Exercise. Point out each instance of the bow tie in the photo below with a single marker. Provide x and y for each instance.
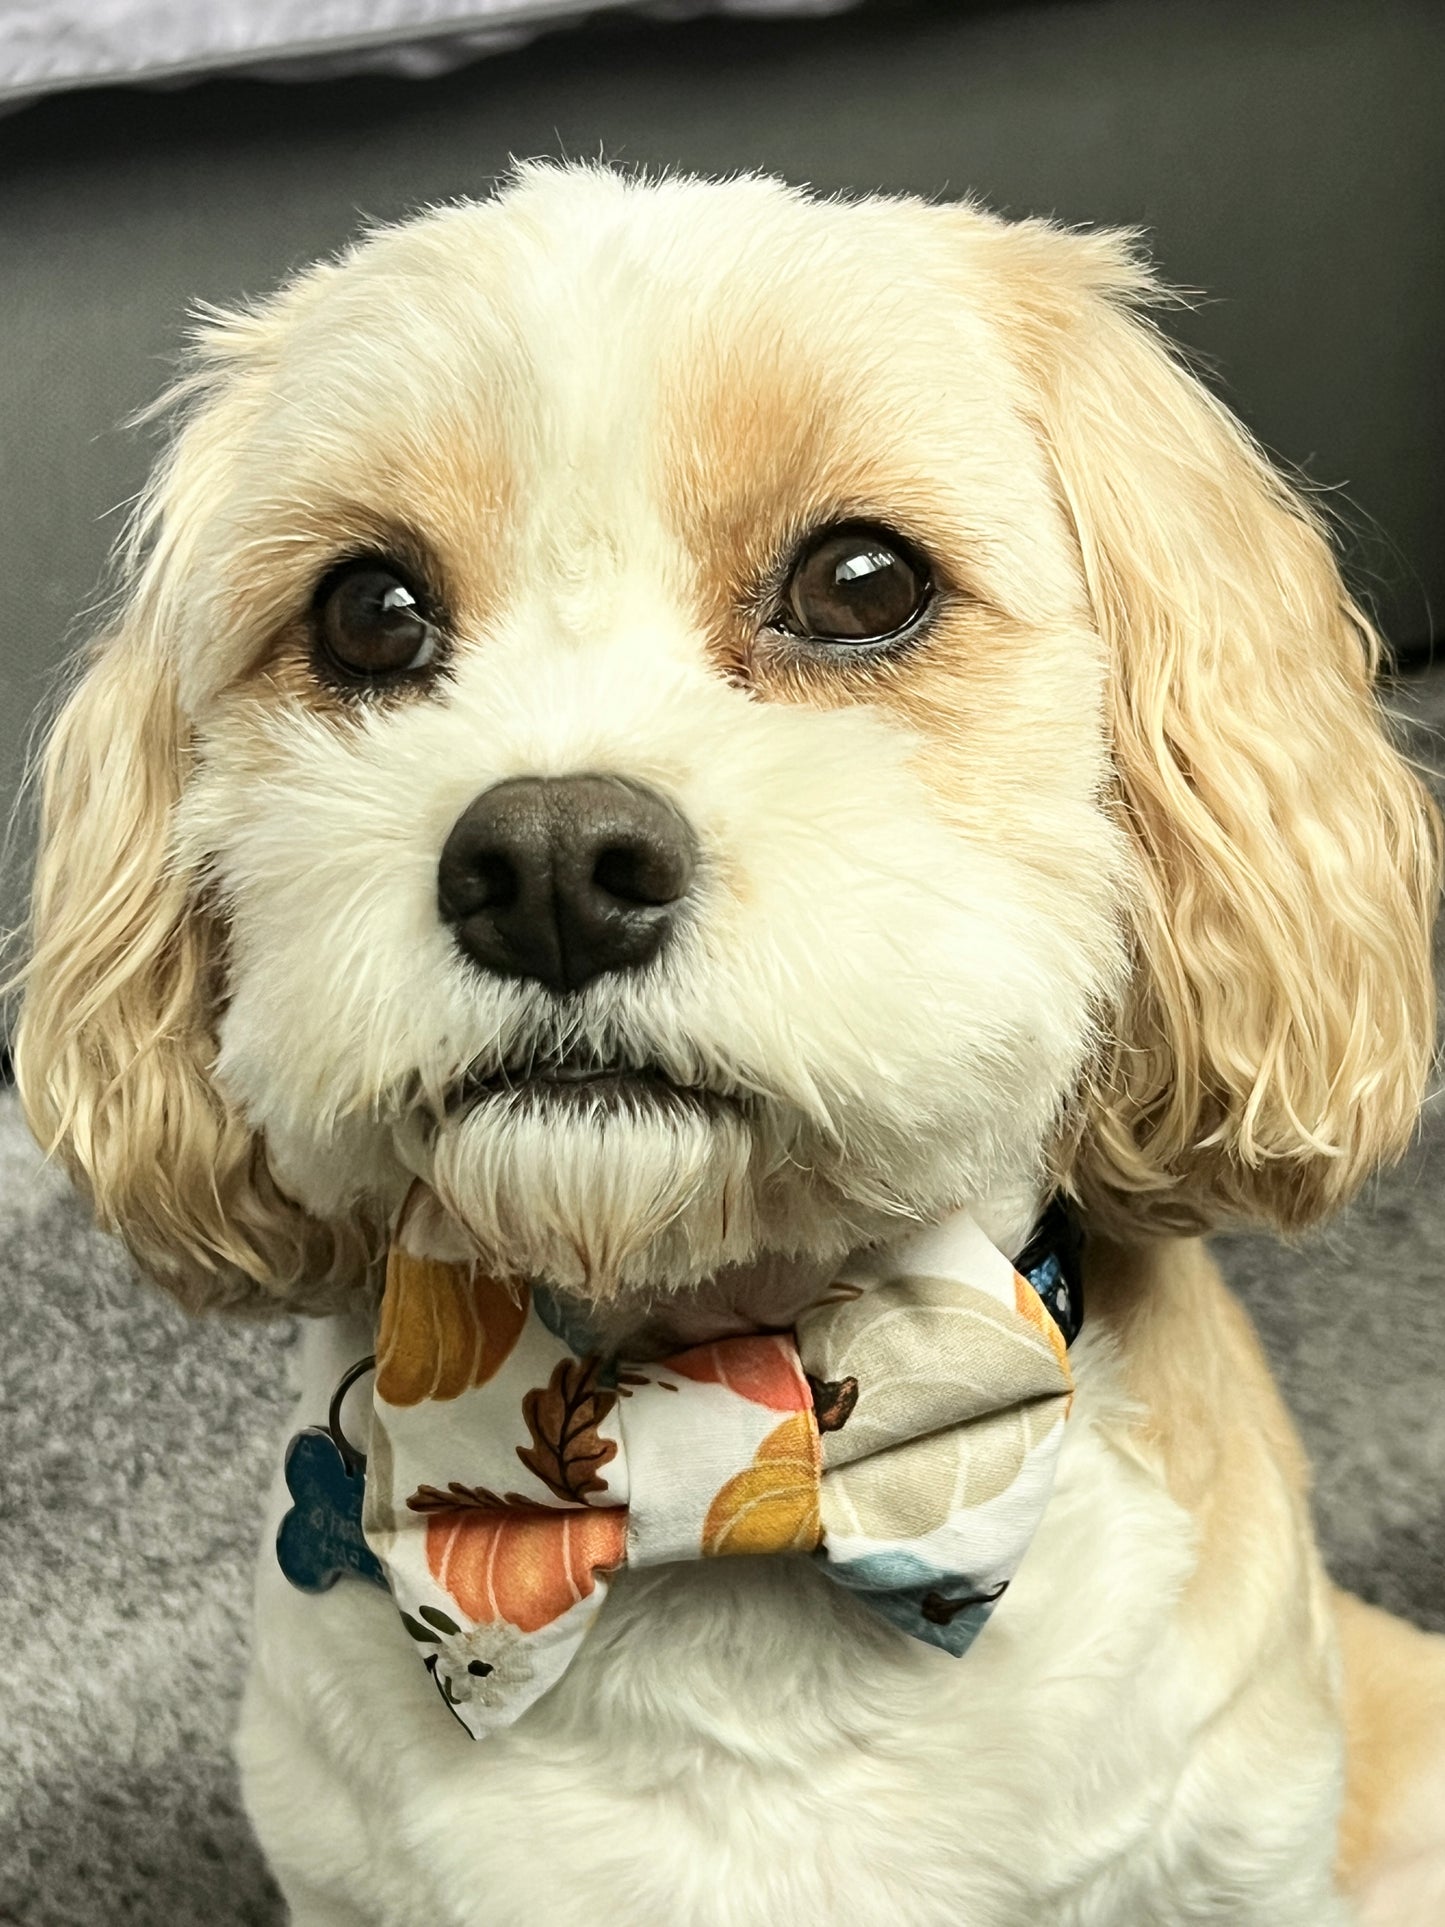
(904, 1434)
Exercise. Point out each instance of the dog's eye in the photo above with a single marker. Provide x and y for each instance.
(854, 584)
(371, 623)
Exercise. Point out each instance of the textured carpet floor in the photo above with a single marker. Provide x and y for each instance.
(134, 1446)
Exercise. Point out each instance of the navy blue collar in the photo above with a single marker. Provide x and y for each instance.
(1052, 1263)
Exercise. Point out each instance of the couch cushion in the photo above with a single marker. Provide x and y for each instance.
(48, 46)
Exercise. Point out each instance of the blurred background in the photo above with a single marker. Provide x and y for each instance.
(1286, 159)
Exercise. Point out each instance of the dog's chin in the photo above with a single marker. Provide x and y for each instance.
(619, 1184)
(623, 1187)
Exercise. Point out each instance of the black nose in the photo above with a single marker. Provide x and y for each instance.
(564, 878)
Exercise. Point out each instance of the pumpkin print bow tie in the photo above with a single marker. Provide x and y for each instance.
(905, 1434)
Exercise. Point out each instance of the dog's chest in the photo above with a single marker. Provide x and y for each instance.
(740, 1742)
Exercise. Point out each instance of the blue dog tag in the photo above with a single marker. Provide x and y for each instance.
(320, 1538)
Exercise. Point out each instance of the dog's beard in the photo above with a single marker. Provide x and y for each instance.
(635, 1198)
(599, 1199)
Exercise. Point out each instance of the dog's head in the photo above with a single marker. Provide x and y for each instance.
(709, 723)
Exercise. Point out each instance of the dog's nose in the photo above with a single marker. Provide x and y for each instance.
(564, 878)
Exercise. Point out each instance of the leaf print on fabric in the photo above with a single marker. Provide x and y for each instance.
(763, 1369)
(772, 1504)
(459, 1498)
(526, 1567)
(444, 1328)
(568, 1452)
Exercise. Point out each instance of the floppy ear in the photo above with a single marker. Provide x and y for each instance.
(115, 1042)
(114, 1045)
(1280, 1023)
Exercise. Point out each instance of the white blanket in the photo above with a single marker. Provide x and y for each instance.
(47, 46)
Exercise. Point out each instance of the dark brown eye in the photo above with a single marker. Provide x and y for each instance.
(371, 623)
(854, 584)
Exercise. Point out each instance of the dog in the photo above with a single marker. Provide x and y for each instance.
(993, 806)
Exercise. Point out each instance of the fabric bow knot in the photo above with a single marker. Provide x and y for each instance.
(905, 1434)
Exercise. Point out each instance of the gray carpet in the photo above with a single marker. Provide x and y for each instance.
(134, 1447)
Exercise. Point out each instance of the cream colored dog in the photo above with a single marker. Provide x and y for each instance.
(1037, 829)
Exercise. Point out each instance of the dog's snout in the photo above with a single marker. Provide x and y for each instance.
(563, 879)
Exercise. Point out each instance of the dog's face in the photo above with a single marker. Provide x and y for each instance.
(697, 493)
(710, 724)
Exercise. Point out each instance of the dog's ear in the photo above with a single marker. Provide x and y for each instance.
(115, 1041)
(1280, 1022)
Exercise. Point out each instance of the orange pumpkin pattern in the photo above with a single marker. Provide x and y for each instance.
(771, 1506)
(763, 1370)
(444, 1328)
(526, 1565)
